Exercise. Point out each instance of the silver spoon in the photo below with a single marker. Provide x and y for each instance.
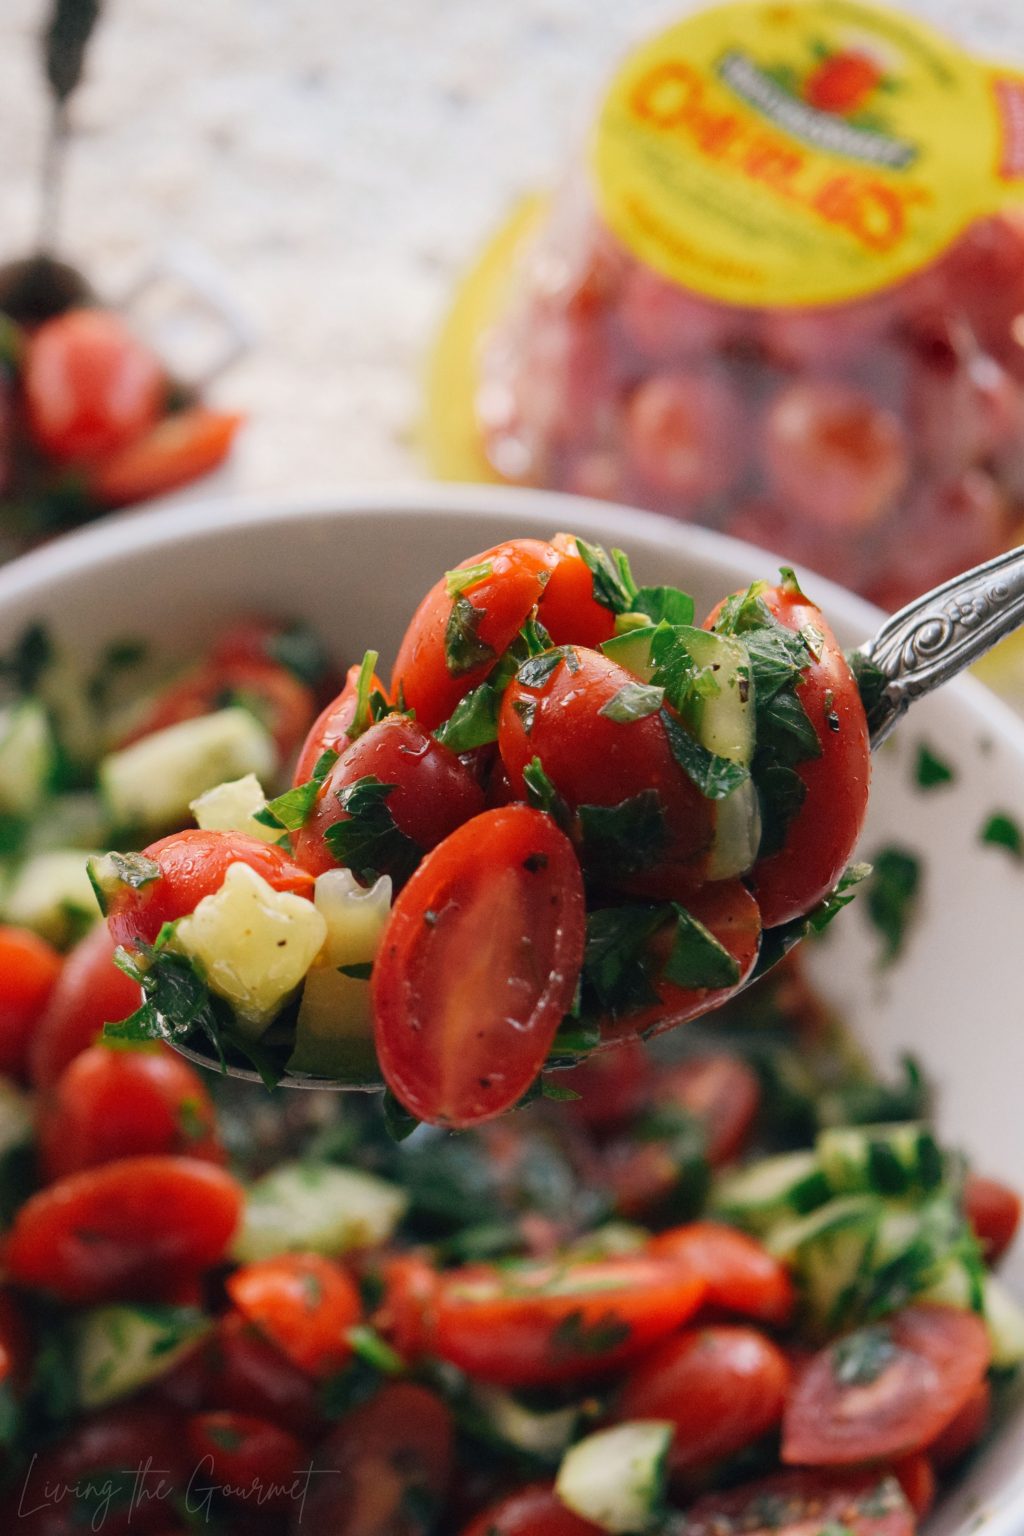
(924, 645)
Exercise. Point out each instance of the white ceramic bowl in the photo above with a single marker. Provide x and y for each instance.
(355, 564)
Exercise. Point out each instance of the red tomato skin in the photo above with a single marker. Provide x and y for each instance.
(282, 702)
(91, 991)
(110, 1104)
(805, 1504)
(730, 912)
(386, 1458)
(509, 872)
(410, 1291)
(824, 832)
(533, 1511)
(568, 609)
(520, 569)
(739, 1274)
(942, 1356)
(30, 968)
(433, 791)
(614, 1087)
(305, 1306)
(329, 731)
(90, 386)
(238, 1369)
(916, 1477)
(193, 865)
(594, 760)
(993, 1211)
(963, 1433)
(182, 447)
(114, 1233)
(246, 1458)
(527, 1338)
(723, 1093)
(723, 1387)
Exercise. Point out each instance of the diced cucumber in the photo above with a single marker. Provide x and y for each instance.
(633, 651)
(232, 807)
(26, 757)
(53, 895)
(880, 1159)
(832, 1252)
(724, 714)
(16, 1117)
(772, 1190)
(737, 833)
(542, 1433)
(317, 1206)
(334, 1033)
(253, 944)
(151, 784)
(1005, 1320)
(616, 1477)
(118, 1349)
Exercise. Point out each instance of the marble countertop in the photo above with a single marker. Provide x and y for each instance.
(340, 163)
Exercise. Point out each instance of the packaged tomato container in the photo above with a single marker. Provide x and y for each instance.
(784, 296)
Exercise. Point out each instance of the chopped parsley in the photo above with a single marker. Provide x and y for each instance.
(614, 587)
(893, 898)
(664, 605)
(714, 776)
(697, 959)
(473, 722)
(860, 1358)
(625, 838)
(542, 794)
(1002, 831)
(464, 651)
(456, 582)
(574, 1335)
(617, 963)
(930, 770)
(29, 658)
(363, 717)
(368, 841)
(291, 810)
(537, 671)
(871, 683)
(633, 701)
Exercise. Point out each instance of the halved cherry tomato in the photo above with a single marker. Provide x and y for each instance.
(916, 1477)
(246, 1459)
(722, 1092)
(824, 832)
(568, 609)
(90, 385)
(116, 1232)
(30, 968)
(614, 1086)
(723, 1387)
(993, 1211)
(387, 1466)
(432, 794)
(478, 966)
(593, 759)
(886, 1390)
(533, 1511)
(110, 1104)
(304, 1304)
(805, 1504)
(740, 1275)
(91, 991)
(193, 865)
(541, 1322)
(180, 448)
(239, 1369)
(964, 1432)
(453, 642)
(727, 909)
(329, 731)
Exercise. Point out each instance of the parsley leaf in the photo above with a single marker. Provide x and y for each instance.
(1002, 831)
(838, 898)
(473, 722)
(291, 809)
(625, 838)
(576, 1335)
(31, 656)
(399, 1122)
(617, 964)
(893, 897)
(871, 682)
(456, 582)
(369, 842)
(664, 604)
(930, 770)
(135, 869)
(614, 587)
(634, 701)
(537, 671)
(464, 651)
(557, 1093)
(785, 724)
(542, 794)
(697, 958)
(714, 776)
(781, 792)
(363, 717)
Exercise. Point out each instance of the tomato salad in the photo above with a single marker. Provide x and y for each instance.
(568, 819)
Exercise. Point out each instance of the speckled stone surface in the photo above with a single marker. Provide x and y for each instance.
(340, 161)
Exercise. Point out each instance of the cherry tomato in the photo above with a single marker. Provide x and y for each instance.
(388, 1465)
(993, 1211)
(614, 1086)
(110, 1104)
(489, 612)
(824, 832)
(30, 968)
(665, 322)
(178, 449)
(842, 82)
(246, 1459)
(329, 731)
(90, 385)
(739, 1274)
(722, 1387)
(304, 1304)
(533, 1511)
(593, 759)
(115, 1232)
(729, 912)
(432, 794)
(568, 609)
(951, 526)
(722, 1092)
(91, 991)
(963, 1433)
(193, 865)
(686, 434)
(916, 1477)
(919, 1368)
(241, 1370)
(805, 1504)
(478, 966)
(543, 1322)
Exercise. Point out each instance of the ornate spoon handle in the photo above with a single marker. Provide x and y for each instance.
(940, 634)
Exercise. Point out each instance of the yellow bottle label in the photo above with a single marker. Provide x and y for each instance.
(803, 153)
